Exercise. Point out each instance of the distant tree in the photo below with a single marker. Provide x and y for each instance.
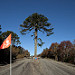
(14, 38)
(36, 22)
(20, 49)
(15, 51)
(71, 57)
(50, 54)
(0, 30)
(0, 35)
(54, 48)
(26, 53)
(44, 53)
(74, 44)
(63, 49)
(66, 46)
(19, 52)
(5, 53)
(74, 50)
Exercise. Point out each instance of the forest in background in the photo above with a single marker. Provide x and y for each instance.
(65, 52)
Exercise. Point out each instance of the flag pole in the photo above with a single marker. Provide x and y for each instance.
(6, 44)
(10, 59)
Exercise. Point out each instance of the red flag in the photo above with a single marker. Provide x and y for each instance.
(6, 43)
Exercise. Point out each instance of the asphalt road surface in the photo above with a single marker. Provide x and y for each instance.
(38, 67)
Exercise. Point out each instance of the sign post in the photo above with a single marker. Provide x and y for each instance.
(10, 59)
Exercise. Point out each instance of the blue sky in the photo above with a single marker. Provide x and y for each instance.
(61, 14)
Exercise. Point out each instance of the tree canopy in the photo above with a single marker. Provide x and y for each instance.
(0, 35)
(36, 22)
(15, 38)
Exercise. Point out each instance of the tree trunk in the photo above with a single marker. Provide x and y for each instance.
(35, 52)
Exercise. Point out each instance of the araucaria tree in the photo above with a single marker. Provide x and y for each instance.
(36, 22)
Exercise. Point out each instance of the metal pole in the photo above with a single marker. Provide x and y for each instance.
(10, 59)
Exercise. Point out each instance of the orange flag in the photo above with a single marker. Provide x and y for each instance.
(6, 43)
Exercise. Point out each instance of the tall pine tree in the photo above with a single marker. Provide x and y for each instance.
(36, 22)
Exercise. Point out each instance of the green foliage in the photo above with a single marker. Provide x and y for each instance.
(0, 36)
(41, 43)
(36, 22)
(5, 53)
(0, 30)
(14, 38)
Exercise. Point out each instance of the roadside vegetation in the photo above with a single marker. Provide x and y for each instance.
(17, 51)
(65, 52)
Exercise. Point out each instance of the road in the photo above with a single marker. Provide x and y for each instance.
(38, 67)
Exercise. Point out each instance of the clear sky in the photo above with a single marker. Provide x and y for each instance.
(61, 14)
